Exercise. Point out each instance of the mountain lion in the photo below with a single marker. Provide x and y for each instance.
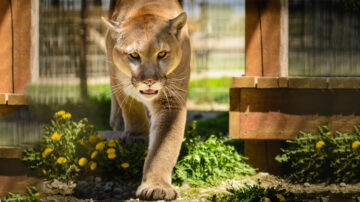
(148, 51)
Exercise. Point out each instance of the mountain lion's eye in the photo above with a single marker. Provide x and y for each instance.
(162, 54)
(135, 55)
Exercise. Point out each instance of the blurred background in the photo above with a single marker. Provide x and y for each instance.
(73, 74)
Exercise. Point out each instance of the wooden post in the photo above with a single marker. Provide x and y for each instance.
(266, 30)
(6, 56)
(266, 52)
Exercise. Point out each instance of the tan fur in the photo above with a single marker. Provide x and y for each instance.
(148, 27)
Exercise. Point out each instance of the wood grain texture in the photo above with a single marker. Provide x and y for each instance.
(270, 32)
(283, 82)
(11, 152)
(2, 99)
(352, 82)
(253, 61)
(22, 43)
(280, 114)
(6, 48)
(267, 82)
(16, 99)
(243, 82)
(304, 82)
(261, 155)
(15, 177)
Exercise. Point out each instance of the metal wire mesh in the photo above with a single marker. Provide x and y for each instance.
(324, 38)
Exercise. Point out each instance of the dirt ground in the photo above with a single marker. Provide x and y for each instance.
(192, 194)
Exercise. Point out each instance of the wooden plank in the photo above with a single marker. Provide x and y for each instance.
(267, 82)
(344, 83)
(283, 82)
(2, 99)
(304, 82)
(270, 34)
(15, 177)
(243, 82)
(253, 61)
(21, 10)
(6, 48)
(17, 99)
(280, 114)
(11, 152)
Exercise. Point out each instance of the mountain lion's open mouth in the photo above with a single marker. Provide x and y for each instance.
(149, 92)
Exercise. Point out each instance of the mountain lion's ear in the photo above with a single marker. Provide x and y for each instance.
(176, 24)
(112, 25)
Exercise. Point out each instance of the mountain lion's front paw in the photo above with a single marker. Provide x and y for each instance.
(133, 137)
(156, 191)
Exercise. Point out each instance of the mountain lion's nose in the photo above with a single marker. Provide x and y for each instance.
(149, 82)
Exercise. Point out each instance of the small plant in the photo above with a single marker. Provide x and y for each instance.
(345, 162)
(254, 193)
(208, 162)
(70, 150)
(323, 157)
(31, 195)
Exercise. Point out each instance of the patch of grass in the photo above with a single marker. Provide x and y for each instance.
(209, 162)
(31, 195)
(254, 193)
(210, 90)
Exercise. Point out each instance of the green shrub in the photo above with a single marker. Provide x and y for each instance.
(31, 195)
(208, 162)
(322, 157)
(70, 150)
(254, 193)
(345, 161)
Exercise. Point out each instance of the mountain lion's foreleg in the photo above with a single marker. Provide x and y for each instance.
(166, 135)
(136, 123)
(116, 120)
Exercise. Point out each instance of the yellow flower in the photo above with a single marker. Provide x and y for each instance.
(100, 146)
(92, 139)
(146, 151)
(44, 171)
(81, 142)
(56, 136)
(111, 155)
(37, 194)
(320, 144)
(92, 165)
(93, 154)
(72, 167)
(100, 137)
(328, 133)
(265, 199)
(280, 197)
(110, 150)
(125, 165)
(66, 116)
(60, 113)
(355, 144)
(112, 143)
(46, 152)
(82, 161)
(91, 126)
(61, 160)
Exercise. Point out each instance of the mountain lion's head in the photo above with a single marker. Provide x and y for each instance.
(147, 49)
